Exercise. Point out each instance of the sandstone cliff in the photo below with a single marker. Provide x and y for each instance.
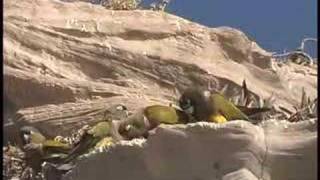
(64, 62)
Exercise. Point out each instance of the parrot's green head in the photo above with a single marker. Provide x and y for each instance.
(196, 102)
(135, 128)
(30, 134)
(116, 112)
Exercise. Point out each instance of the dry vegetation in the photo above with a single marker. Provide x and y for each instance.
(14, 165)
(158, 5)
(306, 110)
(121, 4)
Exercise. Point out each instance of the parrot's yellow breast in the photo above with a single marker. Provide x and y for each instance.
(217, 118)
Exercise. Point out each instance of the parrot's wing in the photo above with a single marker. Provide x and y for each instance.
(86, 143)
(252, 111)
(102, 129)
(53, 143)
(227, 108)
(161, 114)
(183, 117)
(52, 146)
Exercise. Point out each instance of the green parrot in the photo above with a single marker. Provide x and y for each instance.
(148, 118)
(89, 140)
(39, 149)
(96, 135)
(205, 106)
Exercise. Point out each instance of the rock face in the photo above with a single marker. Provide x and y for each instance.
(235, 150)
(66, 61)
(58, 52)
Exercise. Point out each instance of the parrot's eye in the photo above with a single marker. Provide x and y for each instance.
(185, 103)
(128, 127)
(27, 133)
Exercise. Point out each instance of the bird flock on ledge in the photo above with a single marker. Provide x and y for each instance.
(195, 104)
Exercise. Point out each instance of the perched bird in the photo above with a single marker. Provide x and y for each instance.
(116, 112)
(98, 132)
(39, 149)
(89, 140)
(204, 106)
(146, 119)
(30, 134)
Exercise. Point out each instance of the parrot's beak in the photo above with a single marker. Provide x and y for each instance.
(207, 94)
(176, 106)
(26, 138)
(189, 110)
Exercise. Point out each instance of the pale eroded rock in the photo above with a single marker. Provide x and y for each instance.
(233, 150)
(65, 62)
(57, 52)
